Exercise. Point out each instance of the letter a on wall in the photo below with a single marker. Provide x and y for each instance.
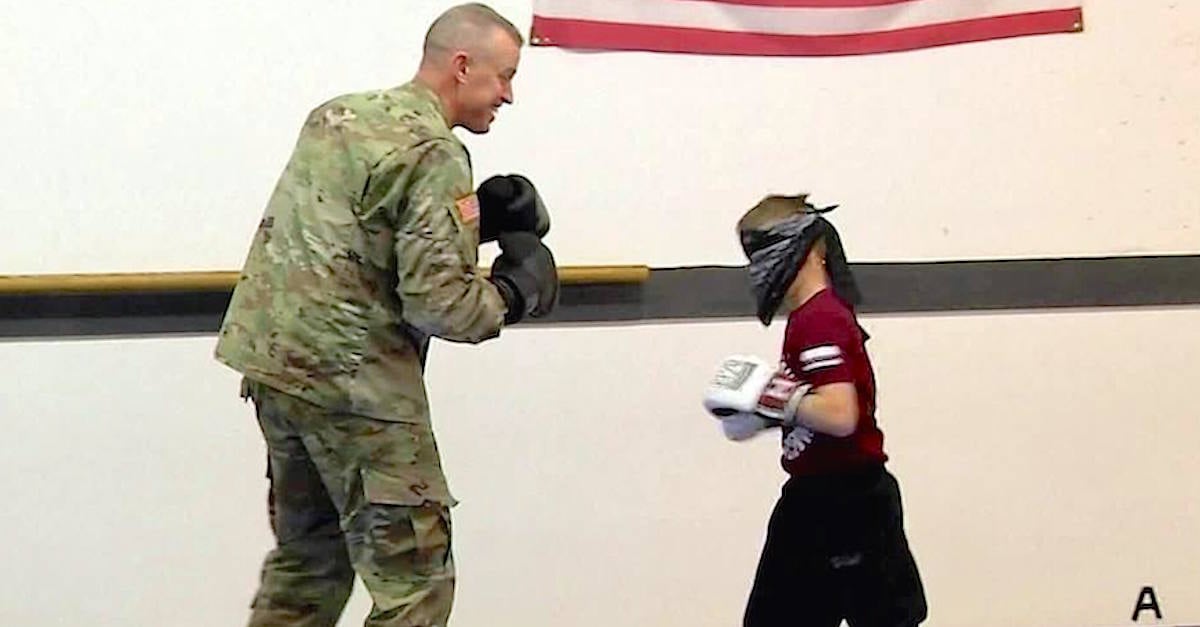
(1146, 601)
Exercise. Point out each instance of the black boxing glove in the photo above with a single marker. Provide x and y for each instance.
(525, 276)
(510, 203)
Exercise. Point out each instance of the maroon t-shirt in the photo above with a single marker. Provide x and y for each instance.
(823, 344)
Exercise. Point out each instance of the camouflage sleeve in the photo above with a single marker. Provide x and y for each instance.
(437, 251)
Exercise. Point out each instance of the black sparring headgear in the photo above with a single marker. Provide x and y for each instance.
(776, 236)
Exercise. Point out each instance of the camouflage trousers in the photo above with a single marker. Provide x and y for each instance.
(341, 503)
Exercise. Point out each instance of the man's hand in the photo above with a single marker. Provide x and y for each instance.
(525, 275)
(510, 203)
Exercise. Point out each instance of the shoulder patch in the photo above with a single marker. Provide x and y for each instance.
(468, 207)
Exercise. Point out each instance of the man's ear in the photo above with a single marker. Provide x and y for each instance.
(461, 63)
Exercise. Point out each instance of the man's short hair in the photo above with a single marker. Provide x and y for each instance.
(462, 27)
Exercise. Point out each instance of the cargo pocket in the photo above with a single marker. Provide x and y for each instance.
(409, 488)
(405, 531)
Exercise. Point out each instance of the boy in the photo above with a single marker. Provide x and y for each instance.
(835, 546)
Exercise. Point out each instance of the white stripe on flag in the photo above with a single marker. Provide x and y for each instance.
(723, 16)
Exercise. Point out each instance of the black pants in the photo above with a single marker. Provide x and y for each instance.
(836, 550)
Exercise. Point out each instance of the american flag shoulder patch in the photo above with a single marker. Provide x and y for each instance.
(468, 208)
(818, 357)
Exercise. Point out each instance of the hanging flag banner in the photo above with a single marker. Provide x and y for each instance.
(793, 27)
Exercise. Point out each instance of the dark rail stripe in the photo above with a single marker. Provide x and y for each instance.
(692, 293)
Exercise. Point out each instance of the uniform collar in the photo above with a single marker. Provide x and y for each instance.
(427, 95)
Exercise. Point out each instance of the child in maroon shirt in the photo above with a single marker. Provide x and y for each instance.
(835, 547)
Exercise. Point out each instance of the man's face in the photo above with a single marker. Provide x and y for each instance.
(485, 81)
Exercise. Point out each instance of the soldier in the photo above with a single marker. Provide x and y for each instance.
(368, 248)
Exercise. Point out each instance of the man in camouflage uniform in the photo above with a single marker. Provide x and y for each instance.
(367, 248)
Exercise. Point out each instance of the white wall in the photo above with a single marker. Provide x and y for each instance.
(1047, 463)
(143, 135)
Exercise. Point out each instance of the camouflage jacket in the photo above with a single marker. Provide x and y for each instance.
(367, 247)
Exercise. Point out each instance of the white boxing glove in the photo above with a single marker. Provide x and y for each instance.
(743, 426)
(748, 384)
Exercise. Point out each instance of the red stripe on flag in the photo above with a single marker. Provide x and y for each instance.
(610, 35)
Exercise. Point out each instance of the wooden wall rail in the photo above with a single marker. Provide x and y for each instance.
(218, 281)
